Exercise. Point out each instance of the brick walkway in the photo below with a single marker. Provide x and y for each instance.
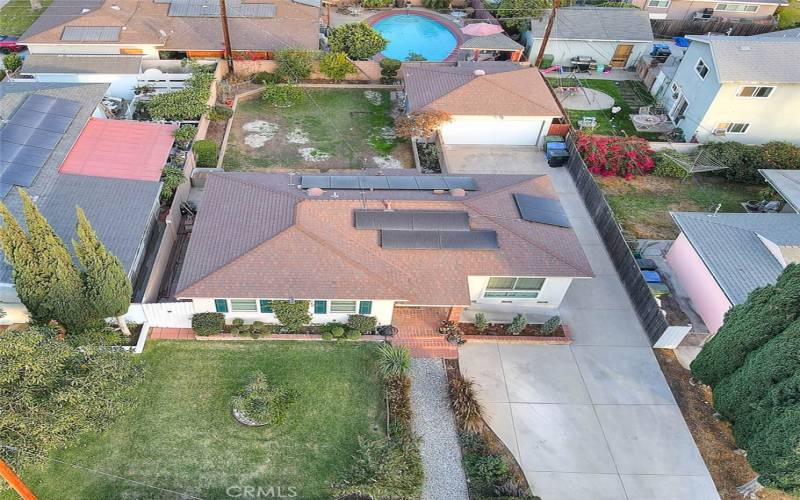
(418, 328)
(157, 333)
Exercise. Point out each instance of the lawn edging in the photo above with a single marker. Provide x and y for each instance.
(519, 339)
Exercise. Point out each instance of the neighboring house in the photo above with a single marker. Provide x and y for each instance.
(52, 147)
(492, 103)
(720, 258)
(119, 72)
(375, 242)
(146, 28)
(683, 10)
(743, 89)
(786, 183)
(614, 37)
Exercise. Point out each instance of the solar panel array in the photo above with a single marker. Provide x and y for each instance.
(543, 210)
(412, 220)
(453, 240)
(388, 182)
(29, 137)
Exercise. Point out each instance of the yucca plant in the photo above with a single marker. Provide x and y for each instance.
(394, 360)
(466, 407)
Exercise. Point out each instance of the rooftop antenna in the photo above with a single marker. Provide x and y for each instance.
(334, 195)
(716, 210)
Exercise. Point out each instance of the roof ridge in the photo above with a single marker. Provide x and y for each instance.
(493, 81)
(236, 178)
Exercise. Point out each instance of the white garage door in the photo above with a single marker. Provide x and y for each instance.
(506, 132)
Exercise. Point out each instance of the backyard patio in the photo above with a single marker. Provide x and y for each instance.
(326, 130)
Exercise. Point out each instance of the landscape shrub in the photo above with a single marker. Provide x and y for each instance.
(337, 331)
(767, 312)
(208, 323)
(336, 66)
(237, 322)
(781, 155)
(436, 4)
(283, 96)
(294, 64)
(782, 395)
(188, 103)
(742, 161)
(265, 77)
(184, 135)
(422, 123)
(464, 401)
(353, 335)
(292, 315)
(515, 15)
(376, 4)
(518, 324)
(480, 322)
(219, 113)
(383, 468)
(205, 153)
(551, 325)
(413, 56)
(12, 62)
(485, 469)
(171, 178)
(326, 336)
(393, 361)
(774, 451)
(398, 399)
(234, 331)
(359, 41)
(615, 156)
(362, 323)
(668, 167)
(389, 68)
(262, 402)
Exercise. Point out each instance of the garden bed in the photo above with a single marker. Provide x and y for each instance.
(532, 334)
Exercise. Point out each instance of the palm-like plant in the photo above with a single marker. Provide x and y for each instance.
(394, 360)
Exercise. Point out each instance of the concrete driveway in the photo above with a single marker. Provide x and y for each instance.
(594, 419)
(487, 159)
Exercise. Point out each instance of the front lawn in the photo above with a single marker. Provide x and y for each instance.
(17, 16)
(182, 437)
(330, 129)
(789, 16)
(642, 205)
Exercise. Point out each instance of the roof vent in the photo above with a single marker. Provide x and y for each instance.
(315, 192)
(479, 72)
(115, 7)
(744, 47)
(458, 193)
(84, 11)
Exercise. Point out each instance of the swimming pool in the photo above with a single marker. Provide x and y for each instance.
(415, 33)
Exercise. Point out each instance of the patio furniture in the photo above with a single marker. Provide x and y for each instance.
(583, 64)
(651, 123)
(589, 122)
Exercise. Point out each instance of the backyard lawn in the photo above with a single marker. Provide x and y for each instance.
(330, 129)
(642, 205)
(182, 437)
(789, 16)
(16, 16)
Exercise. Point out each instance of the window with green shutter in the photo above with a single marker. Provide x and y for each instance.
(320, 307)
(221, 305)
(365, 307)
(265, 305)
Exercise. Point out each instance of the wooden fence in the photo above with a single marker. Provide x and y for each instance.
(680, 27)
(644, 304)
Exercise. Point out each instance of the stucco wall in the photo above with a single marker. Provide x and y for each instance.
(120, 85)
(381, 309)
(491, 129)
(707, 298)
(601, 51)
(681, 10)
(148, 51)
(551, 295)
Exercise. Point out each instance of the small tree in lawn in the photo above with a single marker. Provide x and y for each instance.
(359, 41)
(336, 66)
(105, 284)
(422, 123)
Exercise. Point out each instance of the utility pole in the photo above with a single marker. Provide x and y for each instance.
(550, 22)
(15, 482)
(226, 36)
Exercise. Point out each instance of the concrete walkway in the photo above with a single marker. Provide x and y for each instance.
(434, 423)
(594, 419)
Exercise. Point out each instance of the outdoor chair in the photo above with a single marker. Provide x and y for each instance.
(589, 122)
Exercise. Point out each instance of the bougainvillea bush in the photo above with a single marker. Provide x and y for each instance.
(615, 156)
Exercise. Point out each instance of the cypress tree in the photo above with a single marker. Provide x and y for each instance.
(20, 256)
(106, 286)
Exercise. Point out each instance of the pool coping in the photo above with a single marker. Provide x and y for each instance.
(450, 25)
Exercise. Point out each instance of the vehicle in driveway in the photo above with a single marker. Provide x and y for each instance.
(9, 44)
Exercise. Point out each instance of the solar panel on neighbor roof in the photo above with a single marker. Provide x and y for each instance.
(16, 153)
(393, 182)
(543, 210)
(4, 189)
(412, 220)
(44, 121)
(19, 175)
(27, 136)
(452, 240)
(51, 105)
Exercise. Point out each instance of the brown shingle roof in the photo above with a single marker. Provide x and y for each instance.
(506, 89)
(258, 236)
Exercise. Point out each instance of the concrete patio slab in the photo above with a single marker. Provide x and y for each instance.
(600, 267)
(546, 434)
(622, 375)
(488, 159)
(654, 487)
(488, 374)
(585, 231)
(600, 292)
(502, 423)
(650, 439)
(576, 486)
(608, 327)
(542, 374)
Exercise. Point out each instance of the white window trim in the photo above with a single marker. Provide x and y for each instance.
(746, 5)
(534, 294)
(739, 90)
(669, 2)
(253, 311)
(700, 60)
(727, 131)
(354, 311)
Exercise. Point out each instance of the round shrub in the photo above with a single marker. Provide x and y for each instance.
(742, 161)
(292, 315)
(362, 323)
(327, 336)
(208, 323)
(518, 324)
(353, 335)
(481, 324)
(237, 322)
(376, 4)
(12, 62)
(205, 152)
(781, 155)
(551, 325)
(359, 41)
(265, 77)
(337, 331)
(234, 331)
(485, 469)
(261, 403)
(774, 452)
(294, 64)
(336, 66)
(389, 68)
(219, 113)
(283, 96)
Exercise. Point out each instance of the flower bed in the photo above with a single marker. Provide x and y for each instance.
(531, 334)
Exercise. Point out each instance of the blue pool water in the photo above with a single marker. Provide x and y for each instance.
(412, 33)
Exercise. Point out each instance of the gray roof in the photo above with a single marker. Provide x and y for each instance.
(60, 12)
(91, 33)
(790, 33)
(596, 23)
(108, 65)
(234, 9)
(754, 59)
(731, 249)
(786, 183)
(498, 41)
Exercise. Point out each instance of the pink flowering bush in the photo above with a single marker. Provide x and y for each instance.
(615, 156)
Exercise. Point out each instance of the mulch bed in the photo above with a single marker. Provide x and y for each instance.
(499, 330)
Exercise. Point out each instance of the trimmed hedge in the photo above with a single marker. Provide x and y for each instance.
(205, 153)
(774, 452)
(743, 161)
(362, 323)
(292, 315)
(208, 323)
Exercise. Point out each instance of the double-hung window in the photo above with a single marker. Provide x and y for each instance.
(343, 306)
(750, 91)
(701, 69)
(244, 305)
(658, 4)
(522, 288)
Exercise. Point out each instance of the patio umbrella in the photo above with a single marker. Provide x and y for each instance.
(481, 29)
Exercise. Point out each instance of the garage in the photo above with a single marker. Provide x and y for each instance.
(506, 131)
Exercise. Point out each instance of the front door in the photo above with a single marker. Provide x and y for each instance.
(621, 55)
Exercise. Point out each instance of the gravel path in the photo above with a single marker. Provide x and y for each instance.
(434, 423)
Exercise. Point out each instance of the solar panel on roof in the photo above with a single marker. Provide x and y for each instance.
(374, 182)
(4, 189)
(315, 181)
(416, 220)
(542, 210)
(410, 239)
(465, 183)
(17, 153)
(43, 121)
(378, 219)
(402, 182)
(469, 240)
(451, 240)
(441, 221)
(433, 182)
(27, 136)
(51, 105)
(19, 175)
(345, 182)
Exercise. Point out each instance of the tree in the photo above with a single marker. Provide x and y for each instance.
(294, 64)
(52, 391)
(336, 66)
(515, 14)
(359, 41)
(106, 286)
(774, 451)
(421, 123)
(767, 312)
(12, 62)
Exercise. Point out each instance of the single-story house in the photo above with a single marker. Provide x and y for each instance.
(611, 36)
(720, 258)
(492, 103)
(131, 27)
(367, 244)
(786, 183)
(736, 88)
(684, 10)
(119, 72)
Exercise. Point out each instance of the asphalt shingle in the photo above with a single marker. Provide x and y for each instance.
(754, 59)
(594, 23)
(107, 65)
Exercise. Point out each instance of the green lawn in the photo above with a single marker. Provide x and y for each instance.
(16, 16)
(330, 129)
(789, 16)
(637, 95)
(642, 205)
(181, 435)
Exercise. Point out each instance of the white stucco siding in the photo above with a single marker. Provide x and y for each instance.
(147, 51)
(551, 294)
(381, 309)
(15, 311)
(600, 50)
(506, 130)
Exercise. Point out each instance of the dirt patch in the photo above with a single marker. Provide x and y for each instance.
(500, 330)
(713, 437)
